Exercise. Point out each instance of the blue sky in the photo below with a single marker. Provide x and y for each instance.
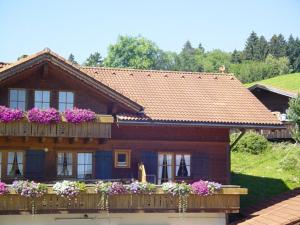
(82, 27)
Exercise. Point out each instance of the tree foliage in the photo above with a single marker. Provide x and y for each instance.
(94, 59)
(71, 59)
(294, 115)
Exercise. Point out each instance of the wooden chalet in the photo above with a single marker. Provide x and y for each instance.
(157, 118)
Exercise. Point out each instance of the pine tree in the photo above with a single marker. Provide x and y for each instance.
(236, 57)
(94, 59)
(71, 59)
(278, 46)
(251, 50)
(293, 53)
(263, 48)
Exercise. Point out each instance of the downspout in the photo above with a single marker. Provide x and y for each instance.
(243, 131)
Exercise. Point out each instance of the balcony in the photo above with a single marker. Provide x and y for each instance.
(227, 200)
(101, 128)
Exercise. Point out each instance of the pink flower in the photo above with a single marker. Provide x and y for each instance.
(10, 115)
(45, 116)
(79, 115)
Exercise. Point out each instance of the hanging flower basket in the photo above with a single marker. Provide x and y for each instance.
(79, 115)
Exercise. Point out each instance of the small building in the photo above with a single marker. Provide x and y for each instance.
(277, 101)
(158, 118)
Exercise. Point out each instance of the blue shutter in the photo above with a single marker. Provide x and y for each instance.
(200, 166)
(35, 163)
(104, 164)
(150, 160)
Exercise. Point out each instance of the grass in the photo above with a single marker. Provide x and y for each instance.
(262, 174)
(288, 82)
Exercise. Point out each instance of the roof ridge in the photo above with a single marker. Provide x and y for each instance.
(157, 71)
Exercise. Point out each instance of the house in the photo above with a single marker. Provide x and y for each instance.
(277, 101)
(158, 118)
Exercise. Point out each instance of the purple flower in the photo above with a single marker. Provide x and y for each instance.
(117, 188)
(45, 116)
(3, 188)
(29, 189)
(204, 188)
(9, 115)
(79, 115)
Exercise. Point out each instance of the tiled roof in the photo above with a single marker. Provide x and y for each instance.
(274, 90)
(175, 96)
(185, 96)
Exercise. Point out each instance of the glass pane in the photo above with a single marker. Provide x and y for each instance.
(62, 96)
(60, 158)
(10, 157)
(13, 105)
(20, 157)
(46, 105)
(80, 158)
(38, 105)
(70, 97)
(88, 158)
(62, 107)
(160, 159)
(88, 169)
(69, 158)
(70, 170)
(46, 96)
(122, 157)
(22, 95)
(38, 96)
(70, 106)
(80, 171)
(21, 106)
(9, 166)
(59, 170)
(187, 159)
(13, 95)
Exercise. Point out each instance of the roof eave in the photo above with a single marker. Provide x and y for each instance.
(201, 124)
(274, 90)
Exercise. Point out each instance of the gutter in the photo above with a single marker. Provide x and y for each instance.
(199, 124)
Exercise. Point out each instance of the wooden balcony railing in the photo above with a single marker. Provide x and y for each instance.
(279, 134)
(101, 128)
(226, 200)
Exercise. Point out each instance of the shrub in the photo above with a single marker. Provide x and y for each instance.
(291, 161)
(252, 143)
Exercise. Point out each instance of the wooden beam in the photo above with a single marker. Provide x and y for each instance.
(237, 139)
(26, 139)
(42, 139)
(45, 71)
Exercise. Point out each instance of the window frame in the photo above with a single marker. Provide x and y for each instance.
(6, 163)
(127, 152)
(76, 164)
(42, 102)
(66, 103)
(174, 164)
(73, 164)
(25, 101)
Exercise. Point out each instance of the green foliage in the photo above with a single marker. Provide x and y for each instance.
(133, 52)
(251, 50)
(249, 71)
(236, 57)
(278, 46)
(94, 59)
(252, 143)
(293, 53)
(215, 59)
(294, 115)
(71, 59)
(262, 174)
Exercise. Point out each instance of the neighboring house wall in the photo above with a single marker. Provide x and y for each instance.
(274, 102)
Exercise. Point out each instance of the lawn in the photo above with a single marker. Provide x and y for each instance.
(288, 82)
(262, 174)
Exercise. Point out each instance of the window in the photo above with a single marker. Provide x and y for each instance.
(165, 167)
(42, 99)
(183, 165)
(15, 164)
(66, 100)
(84, 165)
(122, 158)
(17, 99)
(64, 164)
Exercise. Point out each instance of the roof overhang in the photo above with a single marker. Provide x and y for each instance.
(47, 56)
(201, 124)
(274, 90)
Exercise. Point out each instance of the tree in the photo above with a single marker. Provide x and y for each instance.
(236, 57)
(22, 56)
(293, 53)
(252, 47)
(278, 46)
(213, 60)
(263, 47)
(71, 59)
(94, 59)
(190, 59)
(294, 115)
(133, 52)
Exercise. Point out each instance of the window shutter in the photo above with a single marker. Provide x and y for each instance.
(104, 164)
(150, 160)
(200, 166)
(35, 161)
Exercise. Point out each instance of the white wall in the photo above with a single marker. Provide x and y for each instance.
(116, 219)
